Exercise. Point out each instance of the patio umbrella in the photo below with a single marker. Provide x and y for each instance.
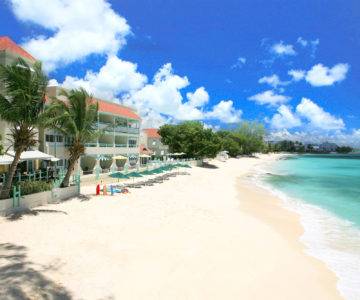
(119, 157)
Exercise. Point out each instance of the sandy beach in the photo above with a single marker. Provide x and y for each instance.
(212, 234)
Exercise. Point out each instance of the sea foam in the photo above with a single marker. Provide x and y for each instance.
(333, 240)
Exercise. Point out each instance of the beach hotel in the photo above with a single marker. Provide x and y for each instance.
(119, 144)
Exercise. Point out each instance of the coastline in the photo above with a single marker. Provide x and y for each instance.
(192, 237)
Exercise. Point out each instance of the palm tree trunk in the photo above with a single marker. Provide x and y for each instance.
(5, 191)
(66, 180)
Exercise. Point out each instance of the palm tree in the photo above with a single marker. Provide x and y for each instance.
(22, 99)
(75, 119)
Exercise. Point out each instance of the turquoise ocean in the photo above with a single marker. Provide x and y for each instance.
(325, 191)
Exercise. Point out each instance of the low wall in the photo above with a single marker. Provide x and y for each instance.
(29, 201)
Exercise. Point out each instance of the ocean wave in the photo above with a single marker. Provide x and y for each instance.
(333, 240)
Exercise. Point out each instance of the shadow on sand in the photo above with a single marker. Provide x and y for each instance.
(21, 279)
(208, 165)
(32, 212)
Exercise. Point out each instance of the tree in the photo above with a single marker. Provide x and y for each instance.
(229, 142)
(1, 146)
(191, 138)
(344, 149)
(76, 120)
(22, 99)
(250, 135)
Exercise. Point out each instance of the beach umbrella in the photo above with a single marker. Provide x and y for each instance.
(119, 175)
(185, 166)
(134, 174)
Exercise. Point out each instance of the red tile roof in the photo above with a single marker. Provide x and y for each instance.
(7, 44)
(111, 109)
(152, 133)
(144, 150)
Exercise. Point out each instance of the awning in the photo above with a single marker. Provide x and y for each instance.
(32, 155)
(145, 155)
(5, 159)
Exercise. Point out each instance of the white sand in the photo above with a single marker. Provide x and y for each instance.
(192, 237)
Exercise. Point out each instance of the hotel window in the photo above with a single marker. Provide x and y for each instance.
(132, 143)
(51, 138)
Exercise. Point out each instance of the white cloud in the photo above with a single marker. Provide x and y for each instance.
(213, 127)
(239, 63)
(163, 96)
(317, 117)
(314, 45)
(199, 98)
(53, 82)
(349, 139)
(269, 98)
(273, 81)
(282, 49)
(320, 75)
(284, 118)
(225, 112)
(78, 29)
(297, 75)
(302, 42)
(115, 77)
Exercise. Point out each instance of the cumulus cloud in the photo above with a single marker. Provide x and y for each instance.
(273, 81)
(317, 117)
(163, 96)
(225, 112)
(239, 63)
(320, 75)
(269, 98)
(282, 49)
(77, 29)
(284, 118)
(297, 75)
(115, 77)
(199, 98)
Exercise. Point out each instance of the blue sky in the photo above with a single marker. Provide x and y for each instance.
(290, 64)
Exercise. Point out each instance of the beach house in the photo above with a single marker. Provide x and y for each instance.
(118, 144)
(153, 142)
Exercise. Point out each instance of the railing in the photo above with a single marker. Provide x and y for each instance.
(121, 145)
(103, 125)
(91, 144)
(133, 146)
(106, 145)
(134, 130)
(122, 129)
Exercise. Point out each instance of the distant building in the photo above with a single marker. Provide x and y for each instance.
(312, 147)
(153, 142)
(328, 147)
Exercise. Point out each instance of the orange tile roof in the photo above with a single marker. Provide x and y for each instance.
(8, 44)
(152, 133)
(117, 110)
(111, 108)
(142, 151)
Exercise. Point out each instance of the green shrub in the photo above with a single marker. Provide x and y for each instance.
(32, 187)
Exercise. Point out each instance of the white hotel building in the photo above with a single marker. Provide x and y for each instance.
(121, 135)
